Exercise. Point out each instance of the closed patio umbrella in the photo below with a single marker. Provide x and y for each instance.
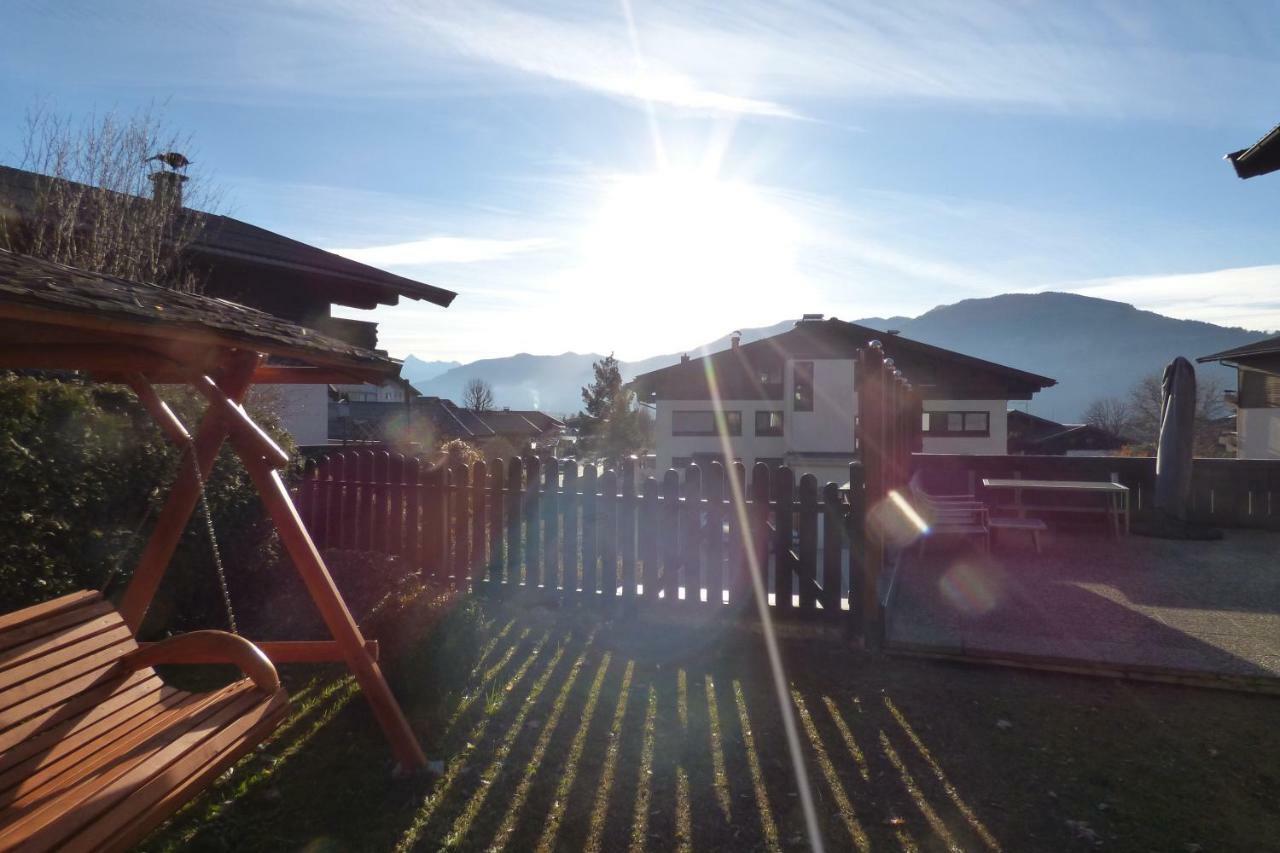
(1177, 433)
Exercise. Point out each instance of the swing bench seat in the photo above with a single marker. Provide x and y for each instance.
(96, 750)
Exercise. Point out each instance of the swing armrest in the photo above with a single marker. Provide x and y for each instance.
(207, 647)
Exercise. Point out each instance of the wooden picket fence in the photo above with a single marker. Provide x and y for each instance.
(563, 531)
(710, 541)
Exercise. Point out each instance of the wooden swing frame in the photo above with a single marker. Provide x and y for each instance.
(141, 336)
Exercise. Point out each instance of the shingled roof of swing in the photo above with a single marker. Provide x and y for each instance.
(55, 290)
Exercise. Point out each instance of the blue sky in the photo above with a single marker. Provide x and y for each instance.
(642, 177)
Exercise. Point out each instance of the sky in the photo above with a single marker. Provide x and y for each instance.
(642, 177)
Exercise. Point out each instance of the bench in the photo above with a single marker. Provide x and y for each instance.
(95, 749)
(1034, 526)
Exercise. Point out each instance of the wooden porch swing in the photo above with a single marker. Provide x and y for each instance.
(95, 750)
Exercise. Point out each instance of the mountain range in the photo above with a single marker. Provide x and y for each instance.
(1093, 347)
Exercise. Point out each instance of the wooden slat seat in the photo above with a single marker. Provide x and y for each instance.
(96, 750)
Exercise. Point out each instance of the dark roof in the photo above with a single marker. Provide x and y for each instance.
(35, 292)
(452, 419)
(225, 238)
(935, 372)
(1267, 346)
(1260, 158)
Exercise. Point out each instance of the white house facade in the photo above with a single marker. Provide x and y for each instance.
(1257, 397)
(792, 399)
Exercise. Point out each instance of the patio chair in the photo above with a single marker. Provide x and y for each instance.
(950, 515)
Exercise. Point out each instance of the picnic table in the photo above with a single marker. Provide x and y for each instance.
(1115, 495)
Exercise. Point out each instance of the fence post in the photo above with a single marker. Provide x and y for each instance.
(648, 536)
(395, 543)
(533, 524)
(479, 565)
(569, 537)
(758, 517)
(670, 526)
(713, 534)
(515, 505)
(627, 535)
(784, 485)
(412, 521)
(738, 581)
(378, 514)
(690, 541)
(351, 500)
(497, 528)
(832, 548)
(608, 520)
(551, 527)
(808, 566)
(364, 523)
(590, 532)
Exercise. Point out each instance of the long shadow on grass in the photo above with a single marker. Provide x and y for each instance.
(560, 731)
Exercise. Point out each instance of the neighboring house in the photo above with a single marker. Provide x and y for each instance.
(1257, 397)
(273, 273)
(1032, 435)
(496, 433)
(791, 399)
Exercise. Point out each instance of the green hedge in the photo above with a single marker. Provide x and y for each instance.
(79, 466)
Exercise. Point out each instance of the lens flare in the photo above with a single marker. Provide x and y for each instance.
(970, 588)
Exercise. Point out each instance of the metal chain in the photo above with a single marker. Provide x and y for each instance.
(213, 545)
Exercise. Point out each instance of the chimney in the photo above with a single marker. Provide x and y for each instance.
(810, 318)
(735, 339)
(166, 187)
(684, 357)
(891, 331)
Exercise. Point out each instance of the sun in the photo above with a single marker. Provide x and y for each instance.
(675, 250)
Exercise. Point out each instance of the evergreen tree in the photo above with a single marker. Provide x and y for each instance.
(611, 425)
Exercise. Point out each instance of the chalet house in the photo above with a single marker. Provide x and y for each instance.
(791, 399)
(289, 279)
(1036, 436)
(1257, 397)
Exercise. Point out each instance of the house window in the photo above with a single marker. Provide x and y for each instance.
(768, 423)
(706, 422)
(802, 395)
(972, 424)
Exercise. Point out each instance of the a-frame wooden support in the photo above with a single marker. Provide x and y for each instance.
(225, 419)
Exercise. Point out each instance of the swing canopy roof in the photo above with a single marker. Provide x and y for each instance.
(63, 318)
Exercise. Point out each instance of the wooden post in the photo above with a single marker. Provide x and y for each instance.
(648, 536)
(183, 497)
(808, 567)
(590, 532)
(569, 537)
(690, 540)
(627, 535)
(497, 528)
(713, 572)
(860, 593)
(413, 520)
(670, 527)
(833, 538)
(395, 541)
(379, 514)
(783, 561)
(533, 525)
(515, 506)
(479, 538)
(737, 581)
(607, 518)
(758, 520)
(551, 528)
(366, 523)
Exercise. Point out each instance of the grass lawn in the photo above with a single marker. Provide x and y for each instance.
(563, 731)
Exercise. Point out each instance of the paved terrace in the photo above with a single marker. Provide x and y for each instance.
(1200, 606)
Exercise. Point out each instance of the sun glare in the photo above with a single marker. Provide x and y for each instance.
(670, 247)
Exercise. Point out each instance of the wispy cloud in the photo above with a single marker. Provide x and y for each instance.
(444, 250)
(1242, 296)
